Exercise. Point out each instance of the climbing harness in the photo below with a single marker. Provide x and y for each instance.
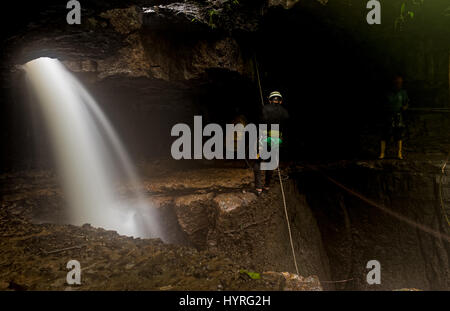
(270, 138)
(279, 176)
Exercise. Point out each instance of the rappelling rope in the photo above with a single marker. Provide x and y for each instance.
(400, 217)
(279, 176)
(287, 220)
(441, 199)
(259, 81)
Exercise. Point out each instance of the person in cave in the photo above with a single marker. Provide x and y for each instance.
(272, 113)
(396, 102)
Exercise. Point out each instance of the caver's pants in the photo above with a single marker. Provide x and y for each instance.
(258, 175)
(393, 127)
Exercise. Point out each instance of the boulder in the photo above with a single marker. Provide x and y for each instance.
(292, 282)
(192, 212)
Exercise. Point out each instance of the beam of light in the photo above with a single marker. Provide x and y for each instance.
(85, 145)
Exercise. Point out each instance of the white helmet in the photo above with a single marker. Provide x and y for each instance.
(275, 94)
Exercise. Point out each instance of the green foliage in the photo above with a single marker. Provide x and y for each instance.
(407, 13)
(217, 13)
(252, 275)
(229, 7)
(211, 22)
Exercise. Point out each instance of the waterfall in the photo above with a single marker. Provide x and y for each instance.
(89, 154)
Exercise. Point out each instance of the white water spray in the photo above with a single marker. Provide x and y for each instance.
(85, 146)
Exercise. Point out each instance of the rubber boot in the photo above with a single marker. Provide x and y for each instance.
(383, 149)
(400, 145)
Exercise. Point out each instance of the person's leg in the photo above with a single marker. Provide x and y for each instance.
(258, 177)
(269, 174)
(400, 146)
(382, 149)
(399, 139)
(386, 135)
(384, 138)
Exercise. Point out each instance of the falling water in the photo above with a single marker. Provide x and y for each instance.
(86, 147)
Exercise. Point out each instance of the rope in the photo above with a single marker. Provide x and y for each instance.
(287, 221)
(400, 217)
(281, 179)
(440, 189)
(259, 81)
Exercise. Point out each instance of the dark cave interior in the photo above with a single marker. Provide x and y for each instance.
(333, 75)
(333, 70)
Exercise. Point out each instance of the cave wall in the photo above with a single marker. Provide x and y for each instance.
(148, 69)
(152, 64)
(216, 212)
(355, 232)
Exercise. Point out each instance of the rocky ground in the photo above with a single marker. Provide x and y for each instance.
(217, 232)
(33, 256)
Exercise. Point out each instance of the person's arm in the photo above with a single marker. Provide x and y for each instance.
(405, 102)
(265, 115)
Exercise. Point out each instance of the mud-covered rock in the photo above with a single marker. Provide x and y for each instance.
(230, 201)
(292, 282)
(194, 180)
(36, 259)
(184, 16)
(193, 216)
(125, 20)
